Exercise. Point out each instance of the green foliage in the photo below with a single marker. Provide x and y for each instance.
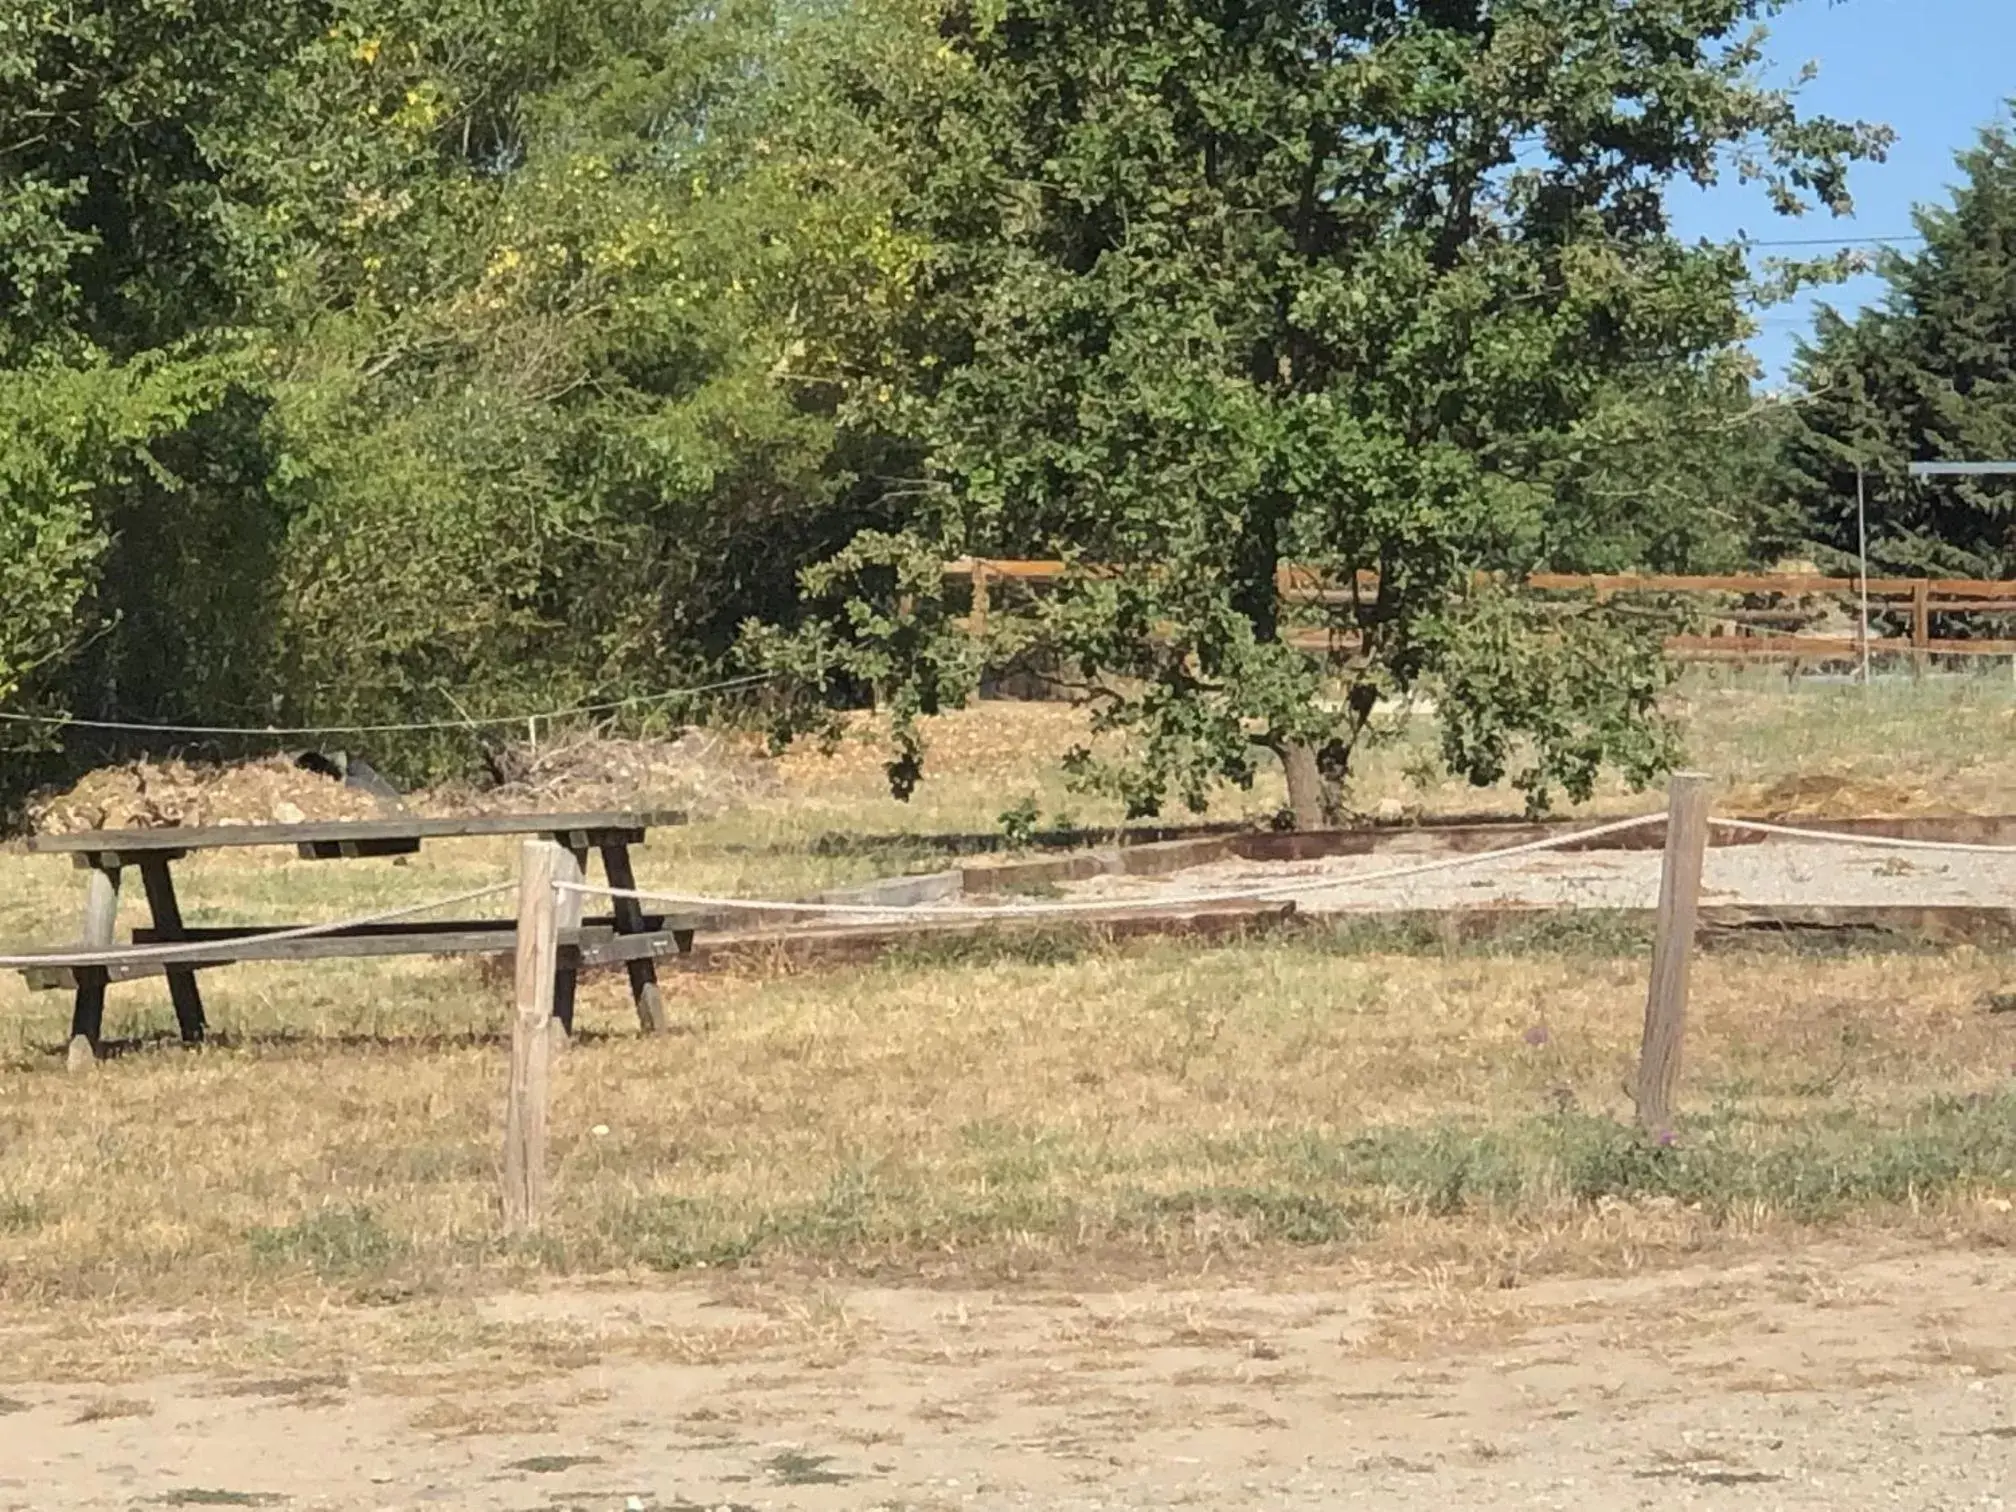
(1929, 374)
(541, 428)
(74, 435)
(875, 620)
(364, 360)
(1379, 289)
(1583, 694)
(532, 315)
(1019, 821)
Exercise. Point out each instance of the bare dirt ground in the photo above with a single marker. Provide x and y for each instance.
(1833, 1375)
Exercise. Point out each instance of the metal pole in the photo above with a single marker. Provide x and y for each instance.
(1862, 551)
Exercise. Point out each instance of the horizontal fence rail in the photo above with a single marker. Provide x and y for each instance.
(1920, 598)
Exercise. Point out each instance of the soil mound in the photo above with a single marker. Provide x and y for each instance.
(173, 793)
(701, 772)
(1822, 795)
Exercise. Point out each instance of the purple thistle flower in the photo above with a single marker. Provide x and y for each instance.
(1538, 1035)
(1668, 1139)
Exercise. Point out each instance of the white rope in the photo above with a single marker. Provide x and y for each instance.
(197, 949)
(1260, 894)
(1841, 837)
(66, 722)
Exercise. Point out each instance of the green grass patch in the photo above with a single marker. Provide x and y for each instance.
(336, 1242)
(1308, 1188)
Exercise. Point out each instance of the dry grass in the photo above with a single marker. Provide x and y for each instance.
(320, 1184)
(106, 1409)
(1175, 1100)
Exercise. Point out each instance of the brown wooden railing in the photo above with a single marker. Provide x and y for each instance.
(1922, 598)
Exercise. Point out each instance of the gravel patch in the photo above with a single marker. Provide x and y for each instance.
(1791, 873)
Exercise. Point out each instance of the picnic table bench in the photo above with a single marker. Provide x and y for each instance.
(627, 934)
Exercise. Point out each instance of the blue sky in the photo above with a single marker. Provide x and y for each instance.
(1933, 70)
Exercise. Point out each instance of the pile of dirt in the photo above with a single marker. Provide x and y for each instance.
(169, 794)
(1822, 795)
(701, 772)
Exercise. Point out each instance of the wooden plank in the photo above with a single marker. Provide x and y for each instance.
(102, 860)
(837, 946)
(1672, 950)
(1436, 839)
(1825, 646)
(592, 927)
(1155, 860)
(1963, 829)
(351, 850)
(121, 965)
(1293, 577)
(1475, 836)
(569, 865)
(1038, 872)
(897, 892)
(353, 832)
(167, 916)
(644, 990)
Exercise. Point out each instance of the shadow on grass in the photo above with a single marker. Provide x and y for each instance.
(317, 1042)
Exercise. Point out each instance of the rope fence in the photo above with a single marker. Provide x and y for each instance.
(196, 950)
(543, 883)
(1877, 842)
(1271, 892)
(418, 727)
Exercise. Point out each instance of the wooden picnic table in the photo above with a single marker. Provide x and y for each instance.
(627, 935)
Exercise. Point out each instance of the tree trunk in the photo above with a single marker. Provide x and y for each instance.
(1313, 799)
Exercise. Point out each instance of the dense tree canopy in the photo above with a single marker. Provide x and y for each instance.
(380, 359)
(1383, 289)
(383, 359)
(1928, 374)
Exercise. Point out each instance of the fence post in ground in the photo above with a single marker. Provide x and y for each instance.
(1921, 626)
(981, 604)
(525, 1102)
(1672, 949)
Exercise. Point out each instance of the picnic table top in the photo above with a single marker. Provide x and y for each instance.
(339, 831)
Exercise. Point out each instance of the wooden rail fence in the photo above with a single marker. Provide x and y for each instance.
(1923, 599)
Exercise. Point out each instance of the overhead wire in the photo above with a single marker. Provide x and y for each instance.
(482, 722)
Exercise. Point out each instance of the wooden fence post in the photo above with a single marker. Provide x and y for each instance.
(981, 599)
(1921, 626)
(1672, 949)
(525, 1101)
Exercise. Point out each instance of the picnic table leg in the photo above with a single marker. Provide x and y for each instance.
(167, 914)
(630, 920)
(569, 865)
(101, 918)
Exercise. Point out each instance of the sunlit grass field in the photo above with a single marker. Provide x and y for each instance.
(1062, 1102)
